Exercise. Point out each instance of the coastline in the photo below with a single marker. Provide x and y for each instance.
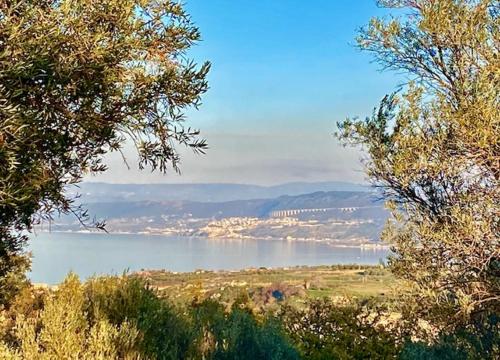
(338, 243)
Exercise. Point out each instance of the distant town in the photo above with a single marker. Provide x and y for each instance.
(347, 217)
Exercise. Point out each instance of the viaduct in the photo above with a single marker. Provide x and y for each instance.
(292, 212)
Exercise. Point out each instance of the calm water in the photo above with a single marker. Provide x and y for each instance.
(55, 254)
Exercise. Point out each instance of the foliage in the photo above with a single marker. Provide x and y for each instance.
(165, 332)
(79, 78)
(122, 318)
(61, 331)
(239, 335)
(14, 277)
(434, 149)
(324, 330)
(478, 341)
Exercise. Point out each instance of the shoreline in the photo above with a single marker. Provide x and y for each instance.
(331, 242)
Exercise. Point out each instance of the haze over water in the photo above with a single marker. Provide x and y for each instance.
(55, 254)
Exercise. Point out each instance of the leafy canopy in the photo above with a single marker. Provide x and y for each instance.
(78, 78)
(434, 149)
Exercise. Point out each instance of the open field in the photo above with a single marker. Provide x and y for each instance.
(267, 286)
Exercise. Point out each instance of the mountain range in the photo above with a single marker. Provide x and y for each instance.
(349, 213)
(92, 192)
(364, 203)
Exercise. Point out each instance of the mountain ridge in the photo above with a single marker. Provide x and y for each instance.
(92, 192)
(234, 208)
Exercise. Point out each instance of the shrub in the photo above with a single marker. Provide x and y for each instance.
(166, 333)
(61, 330)
(122, 318)
(14, 277)
(239, 335)
(326, 331)
(474, 342)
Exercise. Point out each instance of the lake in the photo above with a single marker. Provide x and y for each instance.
(55, 254)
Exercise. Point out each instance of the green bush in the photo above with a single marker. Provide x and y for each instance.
(238, 334)
(166, 333)
(122, 318)
(477, 341)
(13, 279)
(323, 330)
(61, 330)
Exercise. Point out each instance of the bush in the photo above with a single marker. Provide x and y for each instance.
(239, 335)
(13, 279)
(326, 331)
(474, 342)
(166, 333)
(122, 318)
(61, 331)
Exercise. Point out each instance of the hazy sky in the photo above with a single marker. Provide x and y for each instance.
(283, 72)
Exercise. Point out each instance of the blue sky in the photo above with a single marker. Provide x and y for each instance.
(283, 72)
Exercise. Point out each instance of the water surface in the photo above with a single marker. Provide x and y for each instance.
(55, 254)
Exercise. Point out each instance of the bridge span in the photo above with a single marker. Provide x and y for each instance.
(292, 212)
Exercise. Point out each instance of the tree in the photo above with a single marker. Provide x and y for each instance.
(79, 78)
(434, 149)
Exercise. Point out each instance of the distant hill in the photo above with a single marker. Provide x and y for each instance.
(366, 202)
(104, 192)
(349, 217)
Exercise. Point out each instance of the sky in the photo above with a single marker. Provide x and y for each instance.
(283, 73)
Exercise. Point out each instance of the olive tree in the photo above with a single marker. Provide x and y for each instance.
(434, 149)
(78, 79)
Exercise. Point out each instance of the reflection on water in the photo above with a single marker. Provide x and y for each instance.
(55, 254)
